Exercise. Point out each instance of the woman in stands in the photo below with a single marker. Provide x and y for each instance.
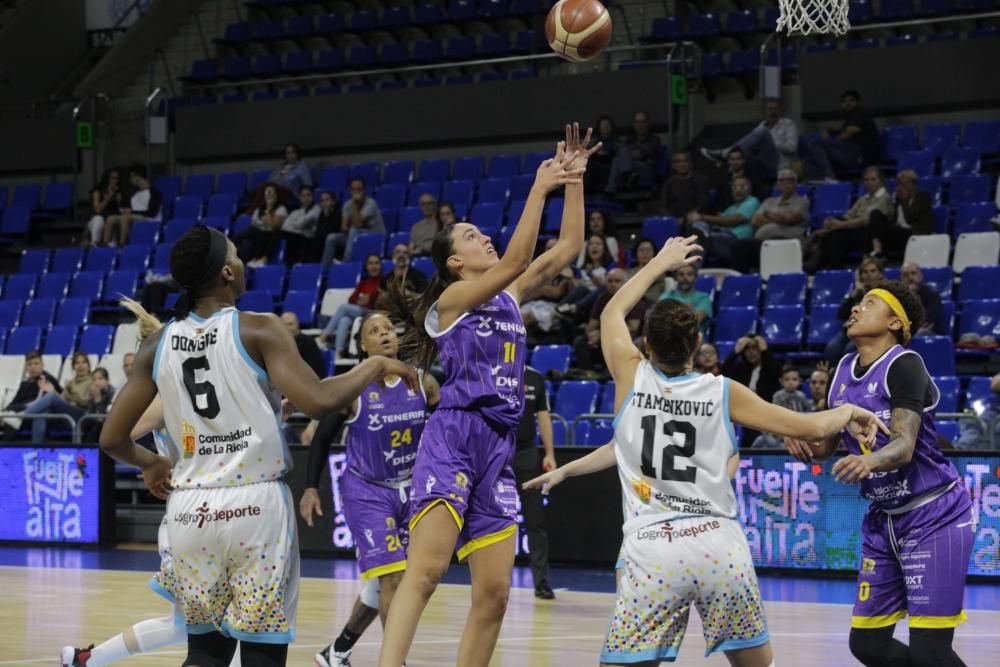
(599, 224)
(261, 238)
(674, 446)
(105, 200)
(870, 273)
(464, 491)
(361, 301)
(918, 532)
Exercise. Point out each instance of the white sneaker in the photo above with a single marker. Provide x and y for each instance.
(330, 658)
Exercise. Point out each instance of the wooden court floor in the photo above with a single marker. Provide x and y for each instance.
(45, 608)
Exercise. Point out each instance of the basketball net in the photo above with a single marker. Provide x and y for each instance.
(806, 17)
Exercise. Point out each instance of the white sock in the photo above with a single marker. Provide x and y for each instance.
(108, 652)
(157, 633)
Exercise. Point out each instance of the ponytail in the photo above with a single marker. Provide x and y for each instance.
(148, 324)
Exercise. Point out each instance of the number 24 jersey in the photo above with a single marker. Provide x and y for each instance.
(673, 442)
(219, 406)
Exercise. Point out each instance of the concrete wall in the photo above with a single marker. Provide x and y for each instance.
(43, 42)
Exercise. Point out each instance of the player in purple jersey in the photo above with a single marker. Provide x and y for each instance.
(919, 528)
(464, 492)
(384, 429)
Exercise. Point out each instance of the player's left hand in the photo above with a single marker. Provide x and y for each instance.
(852, 469)
(549, 463)
(546, 482)
(404, 371)
(677, 252)
(287, 409)
(864, 426)
(576, 149)
(157, 477)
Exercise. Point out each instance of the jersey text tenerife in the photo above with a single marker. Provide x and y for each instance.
(482, 354)
(382, 436)
(219, 406)
(673, 442)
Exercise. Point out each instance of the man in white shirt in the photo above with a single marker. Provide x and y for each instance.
(775, 140)
(146, 204)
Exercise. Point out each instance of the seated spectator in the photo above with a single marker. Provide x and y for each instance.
(260, 240)
(839, 237)
(102, 393)
(635, 159)
(644, 251)
(128, 360)
(306, 345)
(589, 357)
(599, 165)
(912, 214)
(870, 274)
(972, 435)
(29, 391)
(72, 400)
(707, 360)
(292, 174)
(360, 214)
(539, 309)
(105, 201)
(362, 299)
(299, 228)
(422, 233)
(753, 364)
(719, 232)
(790, 397)
(590, 279)
(856, 143)
(599, 224)
(327, 224)
(684, 291)
(819, 381)
(785, 216)
(934, 322)
(403, 273)
(686, 190)
(446, 214)
(775, 140)
(736, 167)
(145, 204)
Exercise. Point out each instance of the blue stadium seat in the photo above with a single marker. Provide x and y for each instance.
(959, 162)
(34, 260)
(24, 339)
(15, 222)
(233, 183)
(53, 286)
(330, 60)
(658, 229)
(940, 278)
(981, 317)
(707, 285)
(433, 188)
(921, 161)
(424, 265)
(398, 171)
(134, 258)
(495, 189)
(576, 398)
(741, 21)
(734, 323)
(521, 185)
(705, 25)
(20, 287)
(60, 339)
(367, 244)
(488, 216)
(933, 186)
(200, 185)
(468, 169)
(409, 216)
(10, 313)
(938, 353)
(972, 218)
(823, 325)
(395, 239)
(168, 186)
(87, 285)
(514, 211)
(188, 206)
(947, 429)
(217, 222)
(144, 233)
(391, 197)
(978, 282)
(941, 137)
(176, 228)
(222, 204)
(270, 277)
(334, 178)
(344, 275)
(606, 404)
(67, 260)
(593, 432)
(547, 358)
(265, 64)
(39, 312)
(504, 165)
(830, 199)
(459, 193)
(73, 310)
(96, 339)
(969, 189)
(782, 326)
(665, 29)
(437, 170)
(830, 288)
(983, 135)
(306, 277)
(460, 48)
(368, 172)
(739, 291)
(897, 140)
(58, 198)
(101, 258)
(949, 388)
(257, 301)
(29, 196)
(553, 215)
(204, 70)
(161, 258)
(978, 396)
(303, 304)
(494, 44)
(785, 289)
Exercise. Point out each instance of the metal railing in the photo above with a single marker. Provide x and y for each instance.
(48, 416)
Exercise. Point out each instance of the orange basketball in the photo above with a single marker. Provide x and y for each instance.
(578, 30)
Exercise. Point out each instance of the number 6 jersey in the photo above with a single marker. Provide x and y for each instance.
(673, 441)
(219, 406)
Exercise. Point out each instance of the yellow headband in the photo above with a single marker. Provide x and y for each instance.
(896, 307)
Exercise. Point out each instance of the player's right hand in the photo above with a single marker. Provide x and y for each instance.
(405, 371)
(800, 449)
(864, 426)
(546, 482)
(558, 170)
(157, 477)
(309, 504)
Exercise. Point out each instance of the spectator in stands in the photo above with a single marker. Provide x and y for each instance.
(299, 228)
(819, 381)
(261, 238)
(870, 274)
(856, 143)
(145, 204)
(707, 360)
(635, 159)
(327, 224)
(362, 299)
(422, 233)
(539, 311)
(588, 345)
(776, 141)
(912, 214)
(105, 201)
(972, 435)
(790, 396)
(306, 345)
(360, 214)
(684, 291)
(934, 322)
(599, 224)
(753, 364)
(685, 190)
(719, 232)
(737, 166)
(412, 280)
(102, 393)
(446, 214)
(839, 237)
(29, 391)
(599, 166)
(591, 279)
(72, 400)
(785, 216)
(644, 251)
(293, 172)
(128, 360)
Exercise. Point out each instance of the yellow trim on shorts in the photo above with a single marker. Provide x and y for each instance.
(454, 513)
(477, 543)
(382, 570)
(873, 622)
(937, 622)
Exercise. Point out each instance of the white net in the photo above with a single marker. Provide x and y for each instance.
(806, 17)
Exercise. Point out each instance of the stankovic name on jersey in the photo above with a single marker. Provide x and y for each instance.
(200, 344)
(680, 407)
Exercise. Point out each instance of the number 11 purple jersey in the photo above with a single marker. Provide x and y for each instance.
(482, 354)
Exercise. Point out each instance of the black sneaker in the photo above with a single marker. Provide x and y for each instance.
(543, 591)
(75, 657)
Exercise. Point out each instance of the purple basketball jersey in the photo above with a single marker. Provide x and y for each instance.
(482, 354)
(383, 436)
(928, 470)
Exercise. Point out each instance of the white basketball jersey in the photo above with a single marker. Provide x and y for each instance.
(673, 441)
(219, 406)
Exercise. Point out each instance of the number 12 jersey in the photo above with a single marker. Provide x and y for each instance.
(219, 406)
(673, 442)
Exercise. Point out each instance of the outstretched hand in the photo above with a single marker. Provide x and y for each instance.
(576, 149)
(558, 170)
(547, 481)
(676, 252)
(864, 427)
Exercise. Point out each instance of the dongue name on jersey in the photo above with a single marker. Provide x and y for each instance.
(200, 344)
(675, 406)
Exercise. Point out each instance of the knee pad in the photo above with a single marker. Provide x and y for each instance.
(369, 593)
(211, 649)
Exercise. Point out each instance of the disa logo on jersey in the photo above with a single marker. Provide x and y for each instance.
(188, 438)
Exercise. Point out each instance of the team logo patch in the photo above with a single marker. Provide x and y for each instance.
(461, 481)
(373, 396)
(374, 422)
(484, 329)
(188, 439)
(868, 565)
(429, 484)
(390, 523)
(843, 387)
(872, 387)
(642, 489)
(369, 537)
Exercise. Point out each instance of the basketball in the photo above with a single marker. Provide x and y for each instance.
(578, 30)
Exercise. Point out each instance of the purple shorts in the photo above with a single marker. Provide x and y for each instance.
(376, 516)
(915, 563)
(465, 463)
